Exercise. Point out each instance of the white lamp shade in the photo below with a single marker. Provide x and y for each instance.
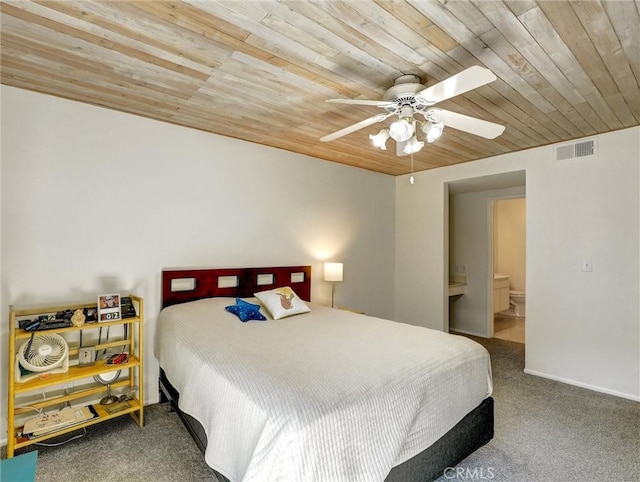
(413, 145)
(433, 130)
(401, 130)
(333, 271)
(380, 139)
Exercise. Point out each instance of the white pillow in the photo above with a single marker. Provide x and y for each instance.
(282, 302)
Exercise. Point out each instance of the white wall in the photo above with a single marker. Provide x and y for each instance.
(582, 328)
(98, 201)
(509, 241)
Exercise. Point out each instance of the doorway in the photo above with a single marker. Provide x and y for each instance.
(469, 243)
(508, 235)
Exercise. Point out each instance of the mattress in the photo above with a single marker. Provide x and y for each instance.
(328, 395)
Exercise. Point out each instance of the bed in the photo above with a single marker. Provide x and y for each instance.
(324, 395)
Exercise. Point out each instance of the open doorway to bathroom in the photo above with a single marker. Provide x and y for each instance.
(509, 268)
(469, 243)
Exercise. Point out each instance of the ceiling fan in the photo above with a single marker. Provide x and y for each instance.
(409, 97)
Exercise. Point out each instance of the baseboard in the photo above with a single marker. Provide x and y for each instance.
(594, 388)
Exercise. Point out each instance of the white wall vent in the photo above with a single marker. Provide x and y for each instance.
(586, 148)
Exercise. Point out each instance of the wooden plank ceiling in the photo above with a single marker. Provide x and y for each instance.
(262, 70)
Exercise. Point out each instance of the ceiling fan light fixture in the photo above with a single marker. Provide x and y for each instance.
(402, 129)
(409, 97)
(380, 139)
(413, 145)
(433, 130)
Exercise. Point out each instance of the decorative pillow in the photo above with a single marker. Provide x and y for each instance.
(245, 311)
(282, 302)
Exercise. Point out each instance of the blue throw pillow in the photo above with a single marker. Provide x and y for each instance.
(245, 311)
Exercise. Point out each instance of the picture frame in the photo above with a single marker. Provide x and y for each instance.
(109, 307)
(91, 315)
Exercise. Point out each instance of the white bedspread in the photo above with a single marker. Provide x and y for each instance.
(324, 396)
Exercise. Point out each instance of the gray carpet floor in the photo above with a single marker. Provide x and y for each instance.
(544, 431)
(549, 431)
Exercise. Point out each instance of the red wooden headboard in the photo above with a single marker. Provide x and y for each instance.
(182, 285)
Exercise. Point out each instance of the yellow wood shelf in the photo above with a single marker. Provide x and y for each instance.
(135, 408)
(75, 394)
(23, 396)
(21, 334)
(74, 373)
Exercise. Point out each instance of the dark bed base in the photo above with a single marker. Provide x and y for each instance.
(471, 433)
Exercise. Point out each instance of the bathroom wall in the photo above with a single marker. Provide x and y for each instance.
(509, 240)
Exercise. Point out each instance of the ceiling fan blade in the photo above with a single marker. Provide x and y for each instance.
(472, 125)
(352, 128)
(467, 80)
(377, 103)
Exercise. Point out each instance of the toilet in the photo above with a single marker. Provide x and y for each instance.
(517, 302)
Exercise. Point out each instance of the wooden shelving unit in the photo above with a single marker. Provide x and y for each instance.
(47, 392)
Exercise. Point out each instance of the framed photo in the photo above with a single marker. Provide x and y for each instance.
(91, 315)
(109, 308)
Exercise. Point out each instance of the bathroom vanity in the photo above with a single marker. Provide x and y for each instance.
(457, 285)
(500, 292)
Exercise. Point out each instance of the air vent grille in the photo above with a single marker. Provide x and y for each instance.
(585, 148)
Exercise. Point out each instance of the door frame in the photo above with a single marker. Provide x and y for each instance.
(490, 228)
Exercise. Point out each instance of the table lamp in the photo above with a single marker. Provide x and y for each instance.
(333, 273)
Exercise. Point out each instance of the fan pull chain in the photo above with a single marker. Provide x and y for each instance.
(411, 179)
